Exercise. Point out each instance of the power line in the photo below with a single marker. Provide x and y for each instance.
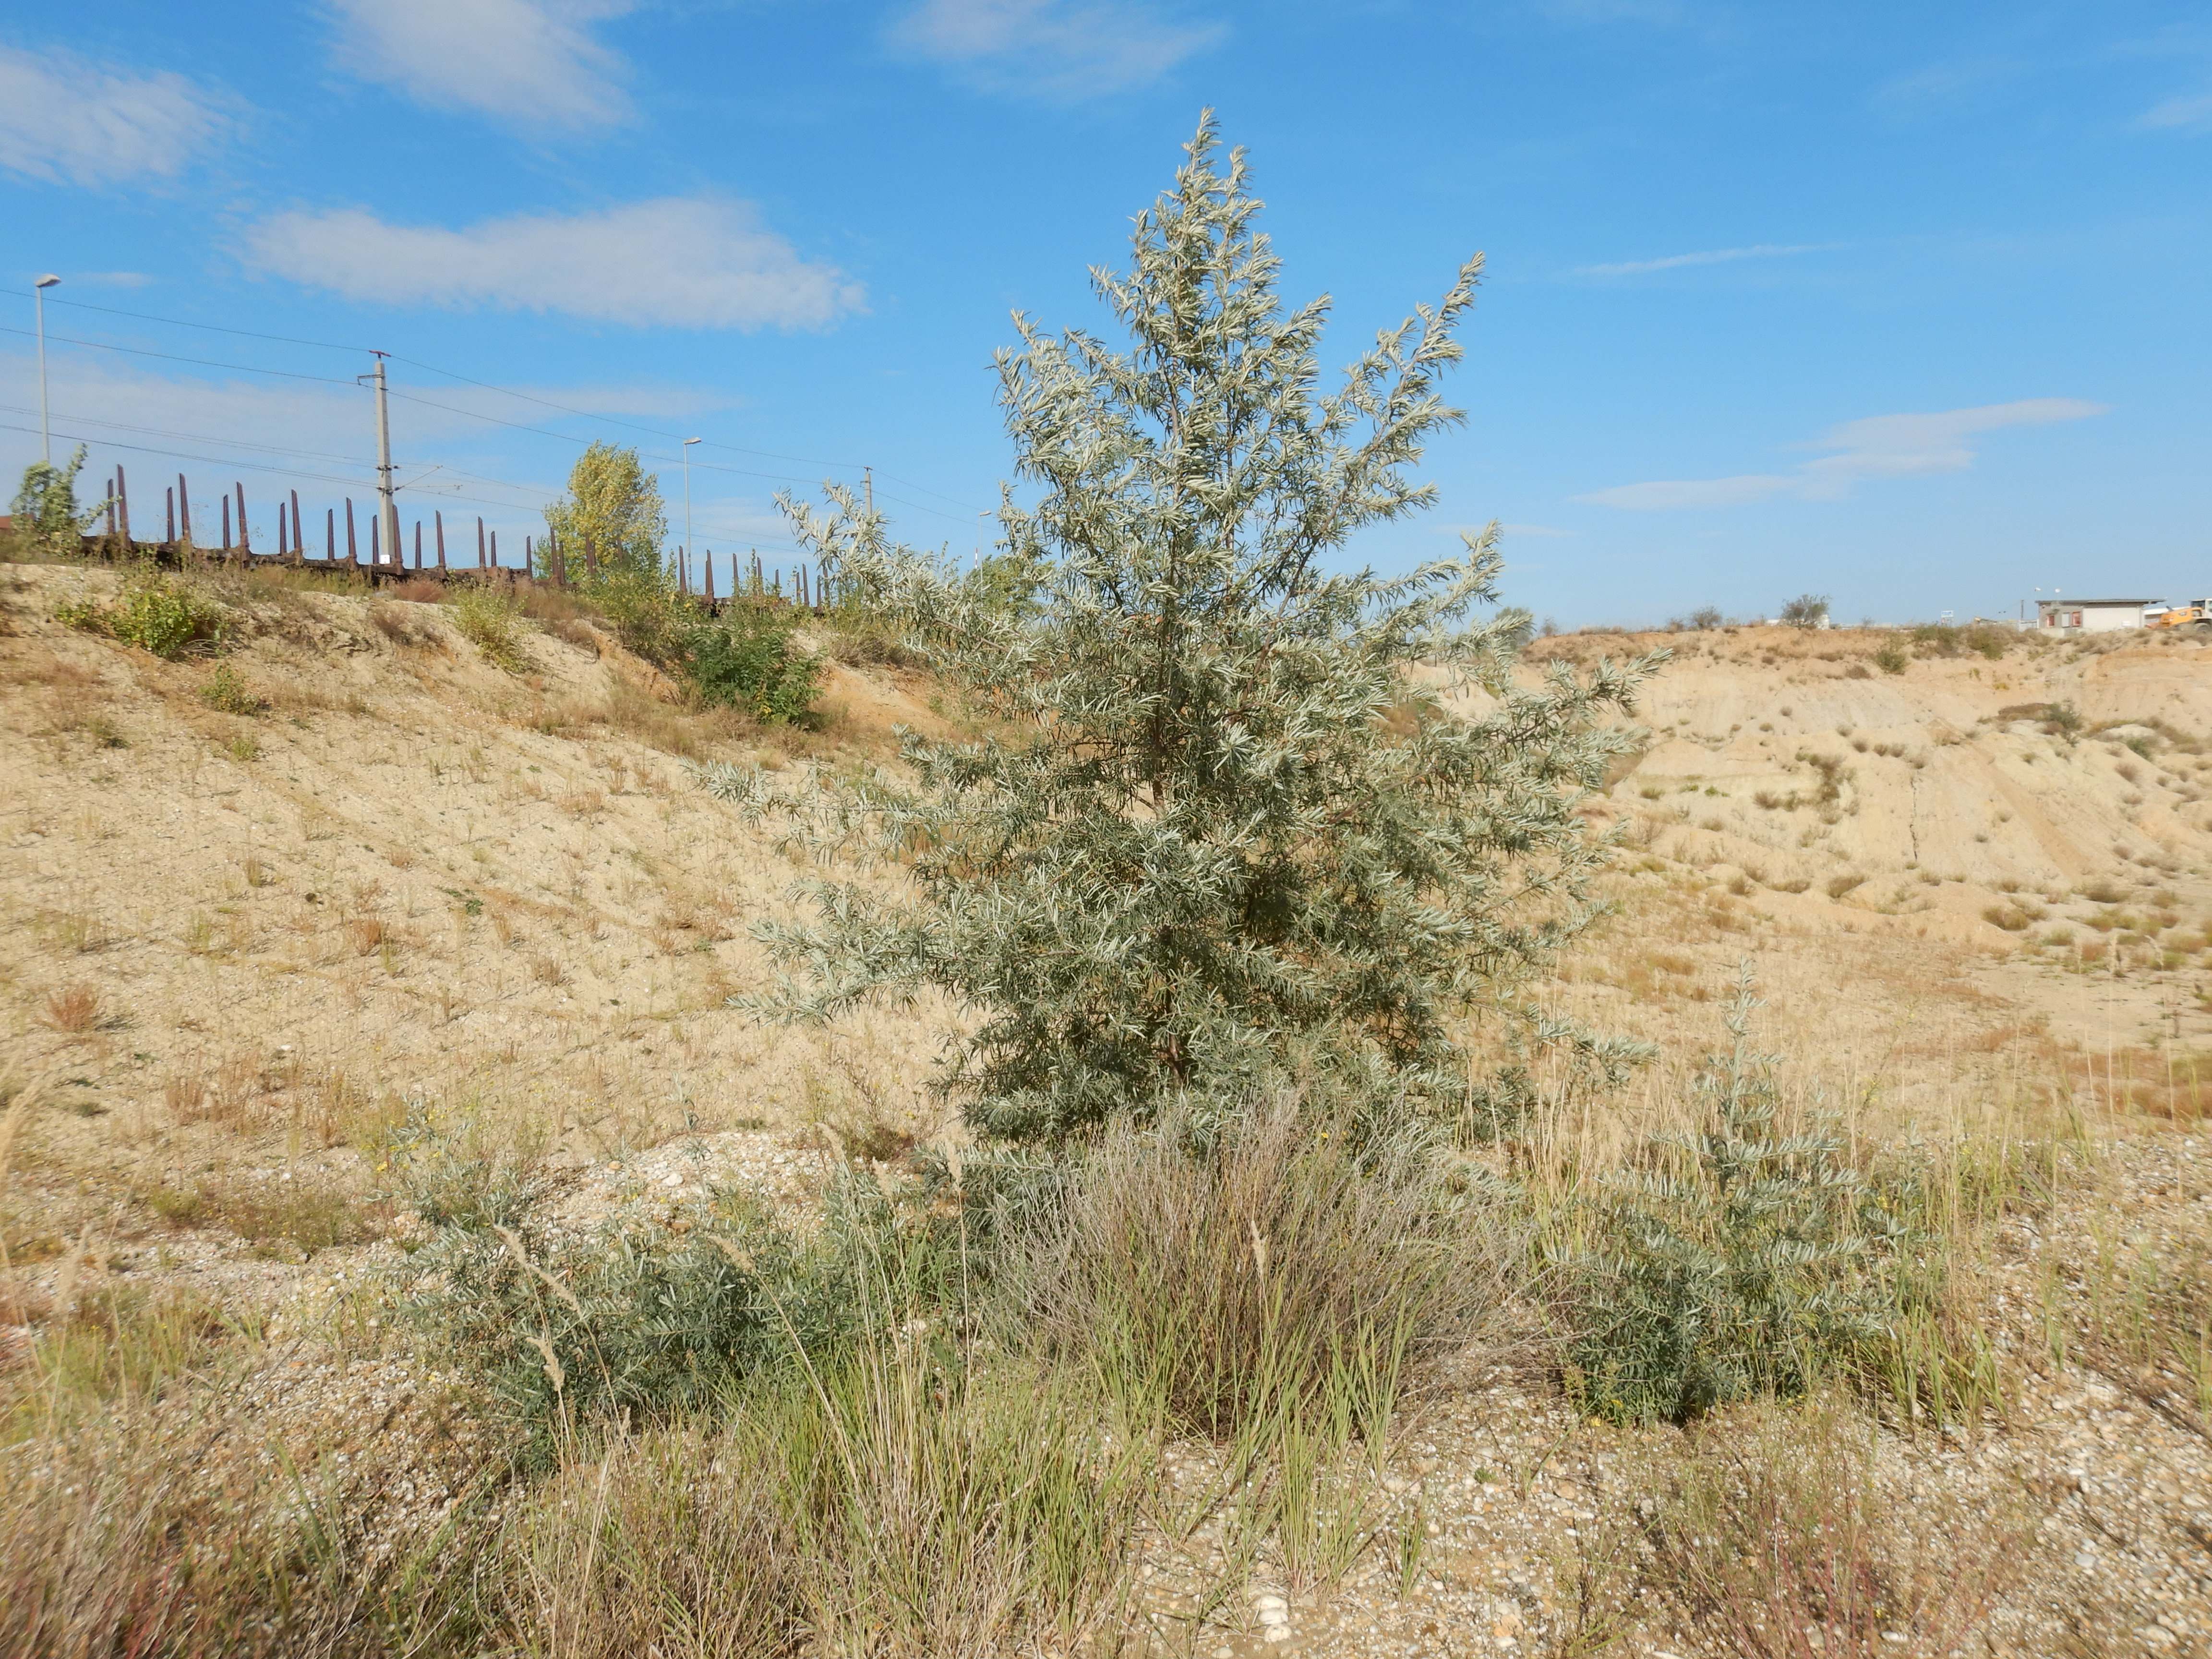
(195, 437)
(326, 379)
(487, 385)
(171, 357)
(217, 328)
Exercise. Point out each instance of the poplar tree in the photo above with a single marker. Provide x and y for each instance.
(613, 507)
(1237, 808)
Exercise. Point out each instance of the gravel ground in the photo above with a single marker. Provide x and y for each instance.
(1510, 1497)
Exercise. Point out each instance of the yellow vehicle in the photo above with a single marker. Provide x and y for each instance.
(2190, 613)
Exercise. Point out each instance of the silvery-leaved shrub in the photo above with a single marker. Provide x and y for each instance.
(1236, 795)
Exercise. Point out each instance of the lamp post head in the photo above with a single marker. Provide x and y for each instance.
(48, 281)
(688, 442)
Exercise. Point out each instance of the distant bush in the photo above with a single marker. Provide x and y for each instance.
(154, 612)
(1806, 610)
(489, 620)
(1892, 658)
(751, 656)
(226, 692)
(1707, 618)
(1746, 1262)
(45, 519)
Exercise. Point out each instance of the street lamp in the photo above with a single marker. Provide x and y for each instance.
(39, 299)
(688, 442)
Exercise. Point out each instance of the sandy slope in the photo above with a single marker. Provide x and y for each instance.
(436, 880)
(415, 882)
(411, 876)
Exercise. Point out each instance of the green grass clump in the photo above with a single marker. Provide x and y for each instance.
(154, 612)
(226, 691)
(490, 621)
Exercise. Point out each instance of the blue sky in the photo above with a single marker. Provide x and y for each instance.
(1903, 304)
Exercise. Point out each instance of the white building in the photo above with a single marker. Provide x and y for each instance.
(2090, 616)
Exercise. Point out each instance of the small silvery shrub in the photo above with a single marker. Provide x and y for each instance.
(1748, 1263)
(1234, 799)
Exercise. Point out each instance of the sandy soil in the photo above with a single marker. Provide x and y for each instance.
(238, 948)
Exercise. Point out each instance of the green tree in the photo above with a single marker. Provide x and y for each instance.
(1807, 610)
(1235, 805)
(612, 508)
(45, 517)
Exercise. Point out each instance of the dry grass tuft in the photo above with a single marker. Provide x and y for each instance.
(1776, 1542)
(1248, 1278)
(75, 1009)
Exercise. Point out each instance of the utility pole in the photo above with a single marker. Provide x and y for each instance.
(688, 442)
(868, 483)
(390, 511)
(39, 299)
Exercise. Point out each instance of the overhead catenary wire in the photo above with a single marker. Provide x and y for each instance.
(213, 328)
(731, 535)
(507, 391)
(173, 357)
(537, 491)
(468, 414)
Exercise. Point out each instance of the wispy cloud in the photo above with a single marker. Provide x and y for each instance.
(1949, 85)
(1058, 48)
(1660, 12)
(65, 120)
(2192, 114)
(1714, 256)
(532, 64)
(687, 262)
(1879, 446)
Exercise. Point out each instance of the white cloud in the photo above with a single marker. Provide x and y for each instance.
(65, 120)
(1718, 256)
(2184, 114)
(683, 262)
(1061, 48)
(1879, 446)
(530, 63)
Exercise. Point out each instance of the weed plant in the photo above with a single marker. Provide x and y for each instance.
(1736, 1263)
(1225, 1272)
(226, 692)
(159, 614)
(489, 619)
(749, 658)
